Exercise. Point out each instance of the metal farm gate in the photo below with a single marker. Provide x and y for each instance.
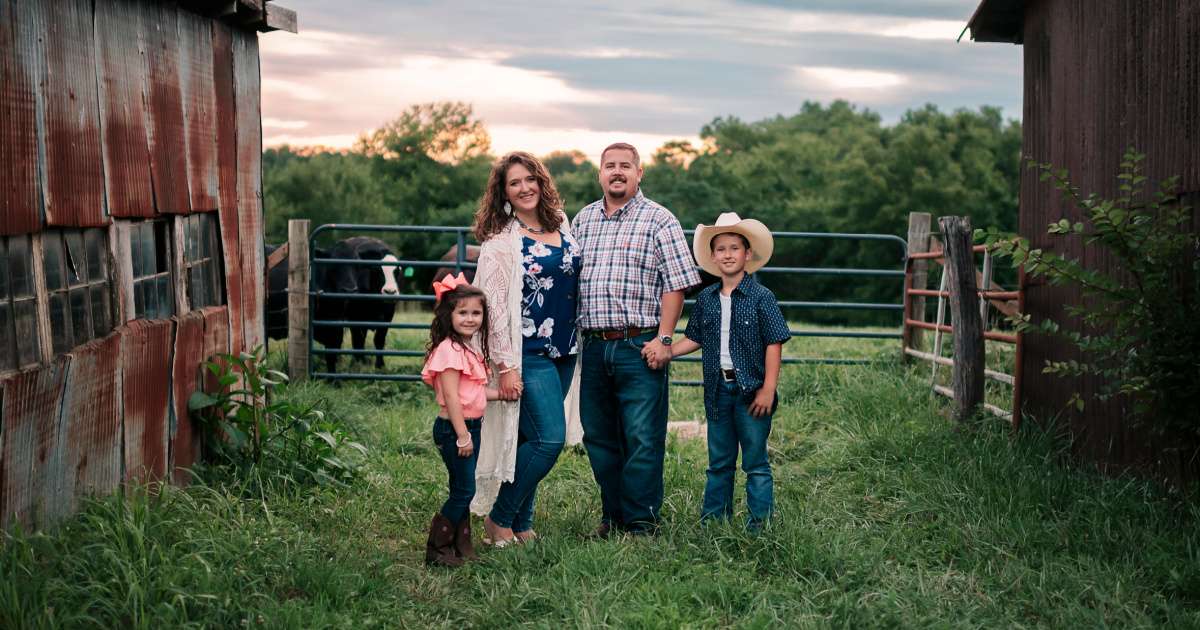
(461, 263)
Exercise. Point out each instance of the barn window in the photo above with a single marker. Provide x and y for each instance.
(202, 260)
(150, 250)
(19, 332)
(78, 298)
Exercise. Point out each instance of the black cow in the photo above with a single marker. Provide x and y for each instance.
(325, 278)
(372, 280)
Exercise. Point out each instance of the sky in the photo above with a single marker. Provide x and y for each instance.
(563, 75)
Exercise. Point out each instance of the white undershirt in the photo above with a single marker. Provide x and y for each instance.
(726, 308)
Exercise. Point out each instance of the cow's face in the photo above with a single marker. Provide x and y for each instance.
(335, 278)
(391, 284)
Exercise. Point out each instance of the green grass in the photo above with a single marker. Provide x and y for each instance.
(888, 516)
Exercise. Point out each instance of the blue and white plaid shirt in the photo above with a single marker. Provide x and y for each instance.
(629, 260)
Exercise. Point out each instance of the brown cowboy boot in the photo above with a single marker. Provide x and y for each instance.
(439, 549)
(463, 546)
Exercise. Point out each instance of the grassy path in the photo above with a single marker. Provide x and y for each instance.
(887, 517)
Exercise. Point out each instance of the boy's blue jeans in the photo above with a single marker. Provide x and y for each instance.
(543, 430)
(623, 409)
(729, 427)
(461, 469)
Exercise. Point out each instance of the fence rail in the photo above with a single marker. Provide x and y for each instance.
(301, 333)
(969, 330)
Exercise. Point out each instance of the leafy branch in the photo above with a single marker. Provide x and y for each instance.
(1141, 339)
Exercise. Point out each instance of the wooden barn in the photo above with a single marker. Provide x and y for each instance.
(131, 235)
(1100, 76)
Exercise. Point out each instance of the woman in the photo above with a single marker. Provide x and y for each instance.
(529, 271)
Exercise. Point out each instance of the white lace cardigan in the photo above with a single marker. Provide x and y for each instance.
(500, 276)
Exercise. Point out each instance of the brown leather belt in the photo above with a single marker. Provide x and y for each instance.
(621, 333)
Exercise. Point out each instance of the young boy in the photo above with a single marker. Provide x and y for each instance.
(738, 325)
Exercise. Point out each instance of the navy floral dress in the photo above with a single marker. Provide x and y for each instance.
(549, 296)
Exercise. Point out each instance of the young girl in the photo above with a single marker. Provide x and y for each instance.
(458, 372)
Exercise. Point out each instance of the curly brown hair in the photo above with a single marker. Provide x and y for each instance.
(442, 328)
(491, 218)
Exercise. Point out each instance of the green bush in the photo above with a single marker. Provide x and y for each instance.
(246, 433)
(1140, 323)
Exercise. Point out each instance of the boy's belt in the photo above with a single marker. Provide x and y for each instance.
(619, 333)
(728, 375)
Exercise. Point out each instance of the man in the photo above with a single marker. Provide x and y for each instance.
(636, 266)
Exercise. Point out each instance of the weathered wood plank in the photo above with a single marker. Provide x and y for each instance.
(298, 282)
(918, 243)
(249, 184)
(226, 130)
(964, 312)
(280, 19)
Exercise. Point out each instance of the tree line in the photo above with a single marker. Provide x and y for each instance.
(834, 168)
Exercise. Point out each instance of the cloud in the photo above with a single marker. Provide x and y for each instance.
(848, 79)
(541, 70)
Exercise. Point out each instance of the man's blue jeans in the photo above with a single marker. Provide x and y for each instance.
(729, 427)
(543, 429)
(623, 407)
(461, 469)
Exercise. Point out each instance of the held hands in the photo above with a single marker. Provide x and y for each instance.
(657, 355)
(511, 385)
(763, 401)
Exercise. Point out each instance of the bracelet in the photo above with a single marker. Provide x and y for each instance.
(506, 371)
(463, 445)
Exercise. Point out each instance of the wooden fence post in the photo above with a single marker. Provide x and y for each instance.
(298, 280)
(964, 313)
(918, 243)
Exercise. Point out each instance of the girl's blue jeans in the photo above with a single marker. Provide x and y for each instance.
(729, 427)
(461, 469)
(543, 429)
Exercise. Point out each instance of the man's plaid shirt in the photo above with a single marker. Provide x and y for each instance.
(629, 260)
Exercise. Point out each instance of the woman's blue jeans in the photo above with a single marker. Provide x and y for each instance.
(461, 469)
(543, 429)
(729, 427)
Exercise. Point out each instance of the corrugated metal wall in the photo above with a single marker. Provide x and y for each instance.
(1101, 76)
(112, 410)
(123, 108)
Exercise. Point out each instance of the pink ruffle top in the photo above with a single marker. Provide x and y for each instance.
(453, 356)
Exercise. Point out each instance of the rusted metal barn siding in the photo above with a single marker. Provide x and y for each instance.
(146, 348)
(1101, 76)
(226, 133)
(87, 454)
(21, 201)
(27, 430)
(199, 109)
(202, 334)
(121, 50)
(247, 86)
(168, 164)
(74, 182)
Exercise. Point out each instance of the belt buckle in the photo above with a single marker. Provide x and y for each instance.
(728, 375)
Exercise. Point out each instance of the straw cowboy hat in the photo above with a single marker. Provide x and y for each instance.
(759, 236)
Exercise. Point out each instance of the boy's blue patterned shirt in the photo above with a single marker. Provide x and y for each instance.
(629, 260)
(755, 322)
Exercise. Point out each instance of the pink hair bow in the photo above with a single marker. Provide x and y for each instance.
(448, 283)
